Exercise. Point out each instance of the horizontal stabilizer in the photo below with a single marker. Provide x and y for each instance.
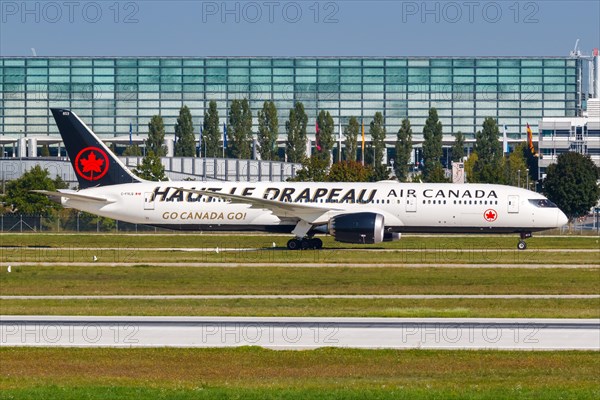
(74, 196)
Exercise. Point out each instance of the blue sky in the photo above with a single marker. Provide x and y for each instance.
(298, 28)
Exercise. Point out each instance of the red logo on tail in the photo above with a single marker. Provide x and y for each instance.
(91, 163)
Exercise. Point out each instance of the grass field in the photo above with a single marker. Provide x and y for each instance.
(71, 280)
(412, 249)
(259, 241)
(283, 257)
(421, 308)
(252, 373)
(156, 280)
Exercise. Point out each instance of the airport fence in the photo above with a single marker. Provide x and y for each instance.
(74, 222)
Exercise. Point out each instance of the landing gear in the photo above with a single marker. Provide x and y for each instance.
(305, 244)
(522, 245)
(293, 244)
(317, 243)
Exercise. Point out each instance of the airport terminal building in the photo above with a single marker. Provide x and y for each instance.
(116, 94)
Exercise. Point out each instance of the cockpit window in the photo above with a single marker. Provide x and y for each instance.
(543, 203)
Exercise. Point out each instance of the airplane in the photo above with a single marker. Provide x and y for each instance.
(360, 213)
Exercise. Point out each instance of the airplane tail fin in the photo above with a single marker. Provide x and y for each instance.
(93, 162)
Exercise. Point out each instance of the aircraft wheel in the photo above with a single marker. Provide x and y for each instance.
(521, 245)
(293, 244)
(317, 244)
(305, 244)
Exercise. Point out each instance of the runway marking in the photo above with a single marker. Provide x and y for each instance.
(269, 248)
(297, 265)
(301, 333)
(305, 296)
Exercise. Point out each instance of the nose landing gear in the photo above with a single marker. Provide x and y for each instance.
(522, 245)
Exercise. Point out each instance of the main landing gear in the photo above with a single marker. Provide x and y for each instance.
(303, 240)
(305, 244)
(522, 245)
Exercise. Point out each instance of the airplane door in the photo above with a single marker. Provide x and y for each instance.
(513, 204)
(149, 201)
(411, 204)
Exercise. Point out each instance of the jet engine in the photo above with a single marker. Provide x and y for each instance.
(362, 228)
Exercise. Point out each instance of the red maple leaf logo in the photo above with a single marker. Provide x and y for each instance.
(94, 167)
(92, 164)
(490, 215)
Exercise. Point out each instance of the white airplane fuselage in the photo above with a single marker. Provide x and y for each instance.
(405, 207)
(365, 213)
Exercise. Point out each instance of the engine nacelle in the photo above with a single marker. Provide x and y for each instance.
(391, 236)
(362, 228)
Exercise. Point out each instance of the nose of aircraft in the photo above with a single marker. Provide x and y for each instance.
(561, 219)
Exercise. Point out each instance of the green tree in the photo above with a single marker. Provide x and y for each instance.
(572, 183)
(325, 139)
(532, 163)
(489, 166)
(211, 133)
(151, 168)
(19, 197)
(156, 136)
(349, 171)
(132, 151)
(239, 129)
(458, 147)
(377, 132)
(296, 133)
(268, 131)
(184, 131)
(351, 139)
(45, 151)
(516, 162)
(380, 173)
(314, 169)
(432, 149)
(403, 150)
(470, 165)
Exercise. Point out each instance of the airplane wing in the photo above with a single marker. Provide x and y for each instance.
(74, 196)
(309, 213)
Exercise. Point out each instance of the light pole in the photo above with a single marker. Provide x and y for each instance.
(519, 178)
(527, 177)
(20, 145)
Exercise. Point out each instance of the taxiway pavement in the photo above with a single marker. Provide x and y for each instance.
(301, 333)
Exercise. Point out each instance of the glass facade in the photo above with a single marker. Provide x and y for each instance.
(112, 93)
